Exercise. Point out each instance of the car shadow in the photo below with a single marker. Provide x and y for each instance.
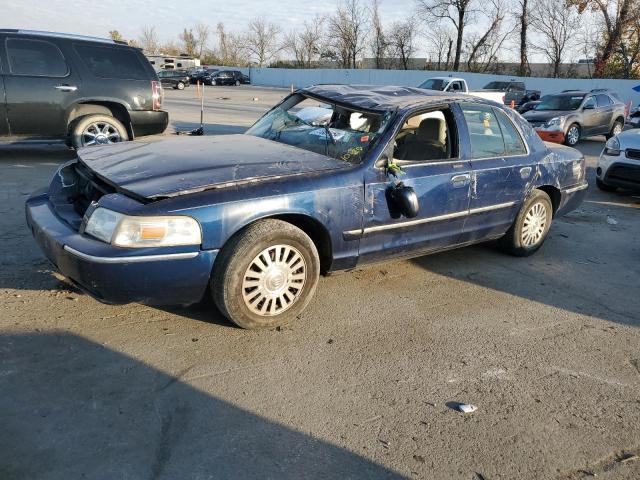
(73, 409)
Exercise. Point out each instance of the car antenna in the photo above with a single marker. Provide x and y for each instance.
(200, 130)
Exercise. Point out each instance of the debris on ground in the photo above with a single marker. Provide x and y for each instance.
(611, 220)
(462, 407)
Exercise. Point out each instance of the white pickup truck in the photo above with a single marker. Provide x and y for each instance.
(459, 85)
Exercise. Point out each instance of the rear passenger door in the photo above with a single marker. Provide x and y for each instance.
(501, 169)
(605, 113)
(40, 86)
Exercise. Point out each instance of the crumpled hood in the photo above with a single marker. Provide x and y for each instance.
(178, 166)
(543, 116)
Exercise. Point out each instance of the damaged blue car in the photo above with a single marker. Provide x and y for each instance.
(331, 178)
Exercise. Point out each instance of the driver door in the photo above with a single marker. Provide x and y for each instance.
(426, 149)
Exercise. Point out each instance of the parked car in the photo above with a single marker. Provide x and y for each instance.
(619, 163)
(83, 90)
(566, 117)
(253, 219)
(175, 79)
(229, 77)
(207, 78)
(459, 85)
(514, 91)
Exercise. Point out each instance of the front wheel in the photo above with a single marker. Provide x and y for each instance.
(266, 275)
(573, 135)
(180, 86)
(531, 226)
(237, 83)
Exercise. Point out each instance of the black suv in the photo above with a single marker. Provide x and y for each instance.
(84, 90)
(229, 77)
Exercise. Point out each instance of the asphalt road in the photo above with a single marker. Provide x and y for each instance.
(547, 348)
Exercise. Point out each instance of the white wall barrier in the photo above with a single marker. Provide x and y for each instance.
(285, 77)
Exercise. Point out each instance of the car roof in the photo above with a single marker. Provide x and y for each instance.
(70, 36)
(384, 98)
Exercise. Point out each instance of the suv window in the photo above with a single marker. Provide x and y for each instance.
(603, 100)
(112, 62)
(485, 134)
(35, 57)
(590, 101)
(513, 143)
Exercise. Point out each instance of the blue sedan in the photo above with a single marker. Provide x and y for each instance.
(332, 178)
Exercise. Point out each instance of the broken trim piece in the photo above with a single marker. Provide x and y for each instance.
(576, 189)
(353, 234)
(135, 259)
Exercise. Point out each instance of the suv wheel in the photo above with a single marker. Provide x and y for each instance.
(97, 130)
(530, 228)
(237, 83)
(180, 86)
(617, 128)
(573, 135)
(266, 275)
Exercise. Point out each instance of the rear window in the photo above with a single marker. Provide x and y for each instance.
(484, 131)
(35, 57)
(603, 100)
(112, 62)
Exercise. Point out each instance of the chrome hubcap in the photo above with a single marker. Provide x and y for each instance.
(274, 280)
(100, 133)
(572, 135)
(617, 129)
(534, 225)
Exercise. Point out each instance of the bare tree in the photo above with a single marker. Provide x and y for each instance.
(483, 48)
(202, 33)
(170, 48)
(188, 41)
(116, 36)
(231, 48)
(347, 29)
(556, 31)
(439, 47)
(618, 16)
(379, 43)
(149, 39)
(524, 21)
(262, 40)
(306, 44)
(455, 11)
(402, 39)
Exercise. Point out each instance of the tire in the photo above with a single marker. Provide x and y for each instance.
(516, 240)
(180, 86)
(103, 129)
(604, 187)
(570, 139)
(250, 299)
(237, 83)
(617, 128)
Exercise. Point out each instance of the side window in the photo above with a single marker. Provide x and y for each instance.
(112, 62)
(590, 102)
(426, 137)
(513, 143)
(603, 100)
(484, 131)
(456, 87)
(35, 57)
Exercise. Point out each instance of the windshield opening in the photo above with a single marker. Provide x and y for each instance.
(433, 84)
(324, 128)
(560, 102)
(496, 86)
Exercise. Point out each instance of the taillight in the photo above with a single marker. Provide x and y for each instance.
(156, 94)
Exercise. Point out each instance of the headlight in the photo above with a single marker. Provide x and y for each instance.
(612, 147)
(134, 231)
(555, 122)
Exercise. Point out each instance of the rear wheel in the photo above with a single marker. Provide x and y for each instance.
(266, 275)
(237, 83)
(604, 187)
(617, 128)
(573, 135)
(93, 130)
(531, 226)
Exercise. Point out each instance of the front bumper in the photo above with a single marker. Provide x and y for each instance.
(151, 276)
(148, 122)
(555, 136)
(619, 171)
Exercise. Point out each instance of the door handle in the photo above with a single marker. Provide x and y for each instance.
(460, 180)
(66, 88)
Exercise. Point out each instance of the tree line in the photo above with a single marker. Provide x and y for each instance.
(488, 36)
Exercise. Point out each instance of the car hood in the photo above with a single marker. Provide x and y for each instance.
(543, 116)
(179, 166)
(629, 139)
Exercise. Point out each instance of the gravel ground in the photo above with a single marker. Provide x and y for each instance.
(547, 348)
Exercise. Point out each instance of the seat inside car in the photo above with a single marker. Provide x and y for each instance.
(426, 142)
